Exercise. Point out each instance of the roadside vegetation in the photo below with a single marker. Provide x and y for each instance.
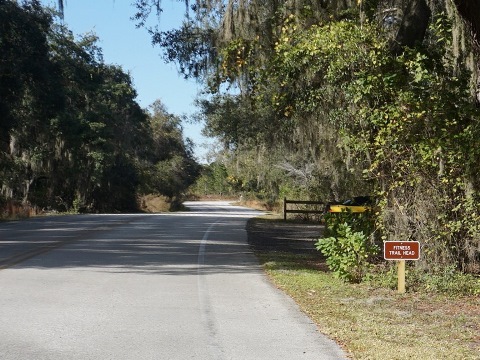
(370, 319)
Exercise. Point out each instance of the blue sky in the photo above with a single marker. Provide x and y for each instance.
(125, 45)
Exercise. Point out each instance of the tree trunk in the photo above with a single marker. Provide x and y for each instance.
(470, 12)
(413, 27)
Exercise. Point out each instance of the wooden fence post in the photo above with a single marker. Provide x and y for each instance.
(301, 202)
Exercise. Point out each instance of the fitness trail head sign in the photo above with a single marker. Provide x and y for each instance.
(401, 250)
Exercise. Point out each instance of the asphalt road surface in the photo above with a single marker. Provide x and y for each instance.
(169, 286)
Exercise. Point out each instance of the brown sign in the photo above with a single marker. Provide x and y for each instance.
(401, 250)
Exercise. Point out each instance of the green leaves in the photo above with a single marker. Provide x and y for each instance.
(170, 168)
(347, 251)
(408, 116)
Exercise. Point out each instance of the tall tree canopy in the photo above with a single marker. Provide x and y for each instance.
(72, 134)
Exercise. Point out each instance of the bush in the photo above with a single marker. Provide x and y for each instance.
(347, 251)
(448, 280)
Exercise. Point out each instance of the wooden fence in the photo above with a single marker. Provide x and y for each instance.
(286, 210)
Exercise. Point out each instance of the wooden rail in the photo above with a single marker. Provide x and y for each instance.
(299, 211)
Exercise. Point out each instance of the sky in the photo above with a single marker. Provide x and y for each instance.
(131, 48)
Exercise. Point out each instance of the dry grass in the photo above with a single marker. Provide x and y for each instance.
(11, 210)
(154, 203)
(373, 323)
(261, 205)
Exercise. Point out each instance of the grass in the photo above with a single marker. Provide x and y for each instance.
(372, 322)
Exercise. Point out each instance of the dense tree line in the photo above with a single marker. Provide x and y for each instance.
(72, 136)
(332, 99)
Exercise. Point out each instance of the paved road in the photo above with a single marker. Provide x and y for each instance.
(177, 286)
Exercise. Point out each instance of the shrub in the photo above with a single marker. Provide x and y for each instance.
(448, 280)
(347, 251)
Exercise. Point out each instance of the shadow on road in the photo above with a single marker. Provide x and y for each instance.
(166, 244)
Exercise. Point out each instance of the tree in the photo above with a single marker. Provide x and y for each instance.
(413, 26)
(73, 135)
(470, 11)
(171, 165)
(27, 95)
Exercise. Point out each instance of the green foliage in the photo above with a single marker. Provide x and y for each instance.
(214, 180)
(171, 168)
(190, 46)
(422, 153)
(229, 118)
(395, 116)
(23, 82)
(72, 136)
(347, 251)
(448, 280)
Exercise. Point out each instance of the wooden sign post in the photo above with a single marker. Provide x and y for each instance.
(401, 251)
(401, 276)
